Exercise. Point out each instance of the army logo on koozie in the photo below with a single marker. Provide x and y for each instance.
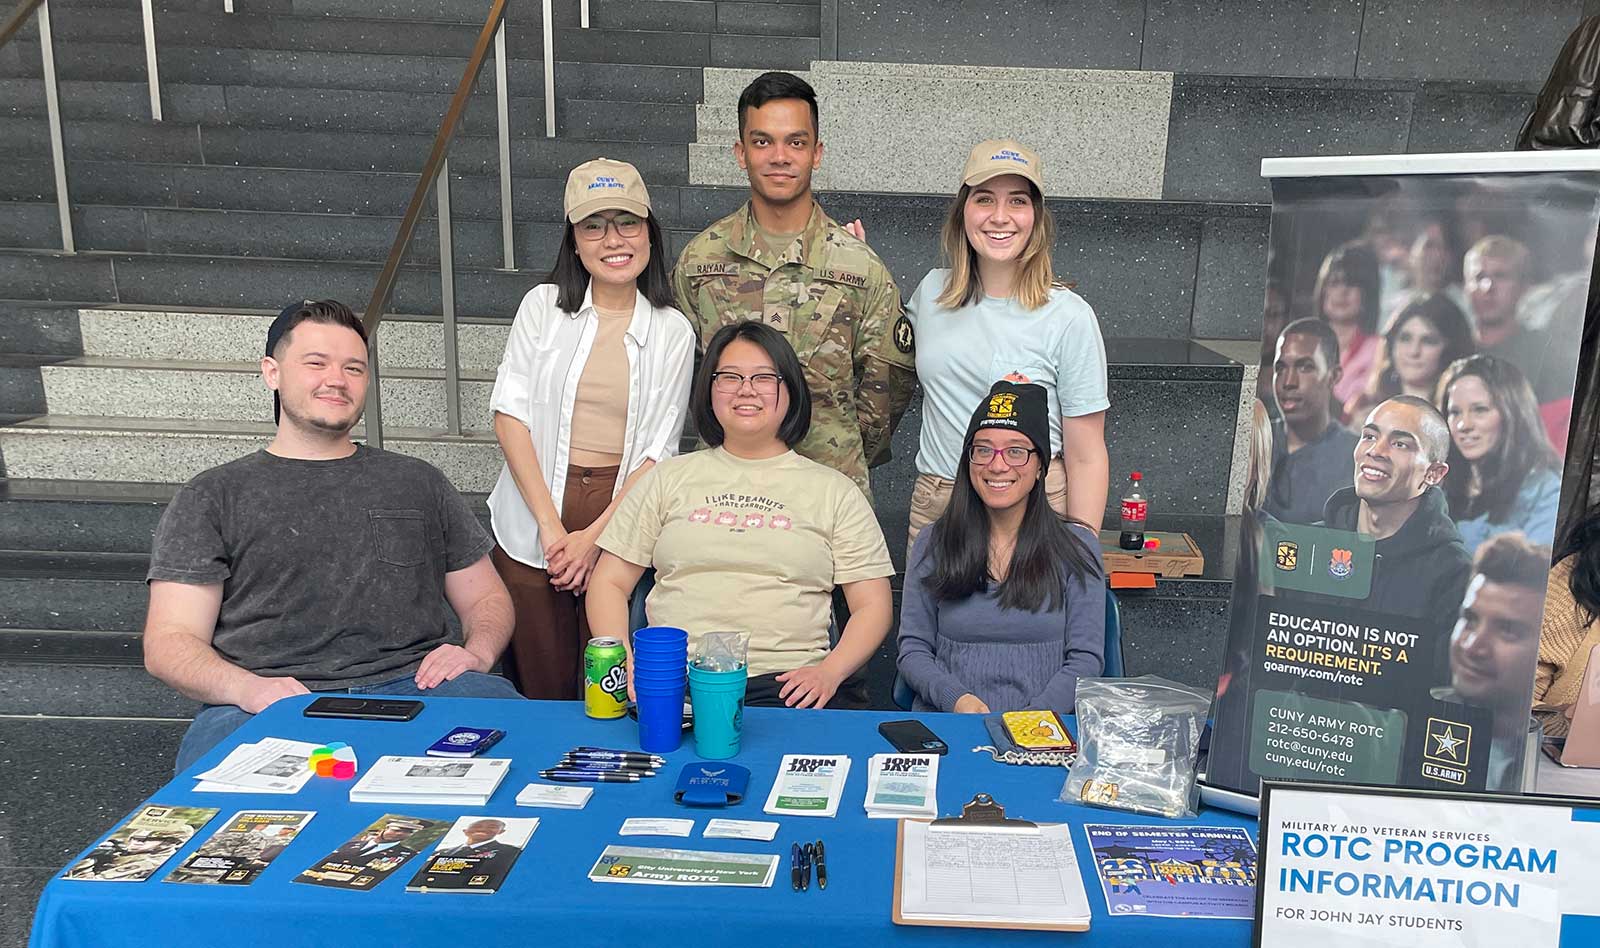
(1002, 406)
(1288, 556)
(904, 338)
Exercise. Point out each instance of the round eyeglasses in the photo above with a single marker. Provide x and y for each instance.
(1014, 456)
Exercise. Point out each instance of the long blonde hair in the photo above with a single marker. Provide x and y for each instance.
(1259, 473)
(1035, 273)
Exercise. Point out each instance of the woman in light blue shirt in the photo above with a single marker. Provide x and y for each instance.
(995, 313)
(1504, 475)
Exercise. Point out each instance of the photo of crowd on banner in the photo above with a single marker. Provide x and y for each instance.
(1419, 348)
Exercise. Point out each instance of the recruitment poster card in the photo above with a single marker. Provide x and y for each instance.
(375, 853)
(245, 845)
(476, 855)
(141, 844)
(1420, 343)
(1175, 871)
(1362, 868)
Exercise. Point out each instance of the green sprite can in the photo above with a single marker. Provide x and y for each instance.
(605, 675)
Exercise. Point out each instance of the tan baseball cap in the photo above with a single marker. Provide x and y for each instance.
(605, 185)
(999, 156)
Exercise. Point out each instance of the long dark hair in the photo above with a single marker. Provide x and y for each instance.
(1582, 543)
(572, 278)
(1045, 547)
(1523, 446)
(1356, 263)
(1447, 320)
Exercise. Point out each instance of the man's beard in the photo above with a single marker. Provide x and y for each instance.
(313, 423)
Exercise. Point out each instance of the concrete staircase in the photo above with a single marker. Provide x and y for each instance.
(293, 132)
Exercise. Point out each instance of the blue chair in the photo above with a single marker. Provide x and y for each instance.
(636, 617)
(1114, 665)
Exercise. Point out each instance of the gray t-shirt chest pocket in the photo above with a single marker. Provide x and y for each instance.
(397, 536)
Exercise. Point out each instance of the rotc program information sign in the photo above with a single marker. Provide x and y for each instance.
(1359, 867)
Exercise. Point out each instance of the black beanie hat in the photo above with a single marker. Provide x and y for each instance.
(1021, 407)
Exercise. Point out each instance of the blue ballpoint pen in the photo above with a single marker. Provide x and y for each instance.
(606, 753)
(805, 867)
(794, 866)
(589, 776)
(621, 766)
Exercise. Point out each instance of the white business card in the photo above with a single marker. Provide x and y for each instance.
(741, 829)
(654, 826)
(566, 798)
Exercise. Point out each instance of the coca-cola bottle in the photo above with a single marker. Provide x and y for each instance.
(1135, 510)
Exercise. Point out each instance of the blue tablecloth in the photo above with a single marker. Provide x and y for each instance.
(548, 900)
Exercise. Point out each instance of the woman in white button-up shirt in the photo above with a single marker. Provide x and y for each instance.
(590, 394)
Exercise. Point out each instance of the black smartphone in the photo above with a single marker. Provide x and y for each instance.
(912, 737)
(365, 709)
(688, 715)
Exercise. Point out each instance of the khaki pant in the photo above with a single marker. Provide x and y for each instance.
(930, 495)
(546, 654)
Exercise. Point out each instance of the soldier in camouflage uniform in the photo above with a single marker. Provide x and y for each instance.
(821, 287)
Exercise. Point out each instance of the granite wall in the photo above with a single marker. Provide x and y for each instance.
(1476, 40)
(1099, 133)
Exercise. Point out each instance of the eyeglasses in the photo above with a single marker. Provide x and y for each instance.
(982, 454)
(729, 383)
(594, 226)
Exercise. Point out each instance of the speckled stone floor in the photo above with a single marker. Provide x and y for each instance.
(63, 782)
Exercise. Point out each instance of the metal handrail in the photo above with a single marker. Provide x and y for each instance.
(436, 175)
(18, 19)
(52, 106)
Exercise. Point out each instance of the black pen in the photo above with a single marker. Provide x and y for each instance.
(588, 776)
(637, 762)
(822, 865)
(794, 866)
(605, 753)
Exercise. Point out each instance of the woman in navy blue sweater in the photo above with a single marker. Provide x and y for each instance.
(1004, 602)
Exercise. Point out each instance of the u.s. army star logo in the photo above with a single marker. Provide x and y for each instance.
(904, 339)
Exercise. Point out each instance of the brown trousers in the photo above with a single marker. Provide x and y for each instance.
(546, 654)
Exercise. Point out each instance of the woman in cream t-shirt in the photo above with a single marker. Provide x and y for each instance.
(749, 536)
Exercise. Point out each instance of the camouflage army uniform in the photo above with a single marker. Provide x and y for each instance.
(840, 309)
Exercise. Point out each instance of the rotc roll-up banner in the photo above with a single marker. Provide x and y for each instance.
(1420, 342)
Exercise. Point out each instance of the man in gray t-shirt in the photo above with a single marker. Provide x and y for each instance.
(318, 564)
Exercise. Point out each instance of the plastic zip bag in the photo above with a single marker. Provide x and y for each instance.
(1137, 743)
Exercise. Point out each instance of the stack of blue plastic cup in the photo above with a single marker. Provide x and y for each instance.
(660, 675)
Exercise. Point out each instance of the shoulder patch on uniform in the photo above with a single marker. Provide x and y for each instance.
(904, 339)
(847, 277)
(711, 269)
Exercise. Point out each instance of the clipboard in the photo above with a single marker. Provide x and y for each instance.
(981, 813)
